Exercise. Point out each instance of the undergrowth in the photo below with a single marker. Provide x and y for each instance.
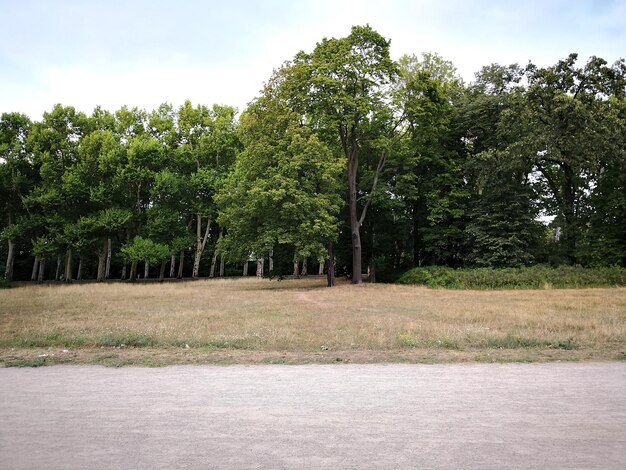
(536, 277)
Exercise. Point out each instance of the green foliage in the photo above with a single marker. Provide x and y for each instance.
(538, 277)
(283, 189)
(4, 284)
(143, 249)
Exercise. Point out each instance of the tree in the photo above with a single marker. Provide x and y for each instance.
(144, 249)
(283, 190)
(430, 178)
(566, 126)
(16, 180)
(339, 87)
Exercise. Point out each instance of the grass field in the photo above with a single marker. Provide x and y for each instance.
(301, 321)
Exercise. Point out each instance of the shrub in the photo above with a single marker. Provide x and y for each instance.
(536, 277)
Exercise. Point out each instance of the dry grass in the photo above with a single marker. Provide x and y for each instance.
(249, 320)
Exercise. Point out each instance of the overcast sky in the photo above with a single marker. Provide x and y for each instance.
(142, 53)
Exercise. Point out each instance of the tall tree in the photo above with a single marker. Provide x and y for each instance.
(566, 127)
(343, 83)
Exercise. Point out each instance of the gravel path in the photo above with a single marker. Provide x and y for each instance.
(346, 416)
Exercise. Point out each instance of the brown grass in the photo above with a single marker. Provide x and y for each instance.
(249, 320)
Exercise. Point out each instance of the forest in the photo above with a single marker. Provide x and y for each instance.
(347, 163)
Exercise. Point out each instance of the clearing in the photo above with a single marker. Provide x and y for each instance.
(301, 321)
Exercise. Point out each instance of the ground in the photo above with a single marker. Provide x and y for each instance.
(470, 416)
(302, 321)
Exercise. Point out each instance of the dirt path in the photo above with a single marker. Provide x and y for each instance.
(346, 416)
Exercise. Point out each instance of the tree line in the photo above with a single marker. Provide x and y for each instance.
(347, 162)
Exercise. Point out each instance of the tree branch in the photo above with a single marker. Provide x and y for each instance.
(379, 169)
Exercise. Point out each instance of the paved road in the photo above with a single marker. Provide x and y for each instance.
(345, 416)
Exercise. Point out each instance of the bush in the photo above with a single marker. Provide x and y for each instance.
(4, 284)
(536, 277)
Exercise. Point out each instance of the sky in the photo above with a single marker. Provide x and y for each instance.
(111, 53)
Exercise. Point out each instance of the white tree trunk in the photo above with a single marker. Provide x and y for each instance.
(305, 265)
(259, 267)
(215, 255)
(271, 256)
(200, 243)
(35, 271)
(57, 274)
(172, 266)
(222, 266)
(107, 270)
(8, 272)
(321, 269)
(42, 270)
(146, 269)
(68, 266)
(181, 264)
(79, 275)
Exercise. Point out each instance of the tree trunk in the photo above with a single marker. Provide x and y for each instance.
(68, 266)
(181, 264)
(245, 268)
(146, 269)
(107, 271)
(35, 271)
(355, 226)
(79, 274)
(330, 269)
(172, 266)
(569, 211)
(305, 265)
(162, 271)
(133, 271)
(214, 260)
(123, 277)
(42, 270)
(372, 270)
(57, 274)
(8, 272)
(102, 256)
(222, 263)
(213, 264)
(296, 269)
(200, 243)
(259, 267)
(271, 265)
(321, 270)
